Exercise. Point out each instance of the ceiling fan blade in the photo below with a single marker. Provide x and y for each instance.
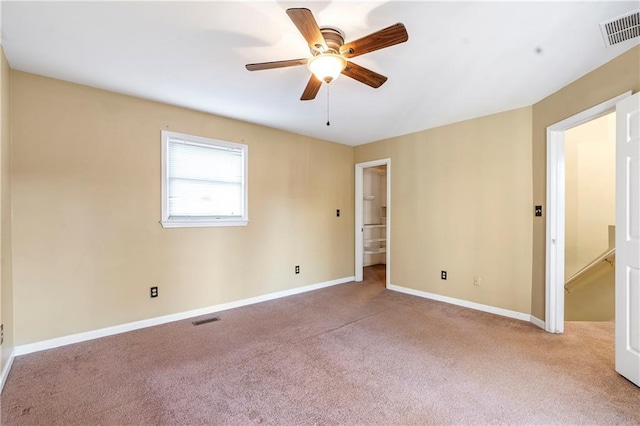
(310, 92)
(276, 64)
(308, 27)
(364, 75)
(389, 36)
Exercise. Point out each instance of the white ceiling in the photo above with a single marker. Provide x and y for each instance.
(462, 60)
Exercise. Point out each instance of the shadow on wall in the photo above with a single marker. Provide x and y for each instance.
(592, 297)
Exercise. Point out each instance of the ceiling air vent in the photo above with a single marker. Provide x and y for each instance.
(622, 28)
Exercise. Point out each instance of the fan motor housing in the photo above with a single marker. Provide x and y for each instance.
(333, 37)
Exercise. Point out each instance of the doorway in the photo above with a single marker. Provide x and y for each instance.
(556, 207)
(373, 218)
(590, 214)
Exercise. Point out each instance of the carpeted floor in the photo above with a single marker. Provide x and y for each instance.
(350, 354)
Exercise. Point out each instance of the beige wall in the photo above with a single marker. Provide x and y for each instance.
(461, 202)
(590, 170)
(6, 283)
(86, 201)
(617, 76)
(87, 244)
(592, 297)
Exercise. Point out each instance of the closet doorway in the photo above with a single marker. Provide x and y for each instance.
(373, 218)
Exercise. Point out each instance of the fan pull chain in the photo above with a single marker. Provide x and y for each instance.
(328, 123)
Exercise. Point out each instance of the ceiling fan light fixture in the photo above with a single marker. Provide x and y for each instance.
(327, 66)
(331, 56)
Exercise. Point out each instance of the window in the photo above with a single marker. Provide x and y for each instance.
(204, 182)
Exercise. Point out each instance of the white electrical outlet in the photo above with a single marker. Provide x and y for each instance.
(477, 281)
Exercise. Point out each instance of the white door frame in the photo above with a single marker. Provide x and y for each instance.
(360, 218)
(554, 260)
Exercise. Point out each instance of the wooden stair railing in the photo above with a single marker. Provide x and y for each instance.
(604, 257)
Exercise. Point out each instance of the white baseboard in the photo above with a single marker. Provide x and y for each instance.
(123, 328)
(6, 369)
(463, 303)
(538, 322)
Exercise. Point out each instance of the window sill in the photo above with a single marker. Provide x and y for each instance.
(201, 223)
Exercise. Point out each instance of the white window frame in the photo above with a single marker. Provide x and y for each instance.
(201, 222)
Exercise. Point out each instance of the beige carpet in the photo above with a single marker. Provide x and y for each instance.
(349, 354)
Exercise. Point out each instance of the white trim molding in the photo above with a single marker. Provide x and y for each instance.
(537, 322)
(6, 369)
(465, 303)
(554, 252)
(123, 328)
(554, 259)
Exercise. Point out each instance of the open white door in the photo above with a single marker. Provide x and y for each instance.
(628, 238)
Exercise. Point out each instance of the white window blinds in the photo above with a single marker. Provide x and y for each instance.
(204, 180)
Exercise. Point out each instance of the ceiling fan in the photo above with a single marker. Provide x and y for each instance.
(331, 53)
